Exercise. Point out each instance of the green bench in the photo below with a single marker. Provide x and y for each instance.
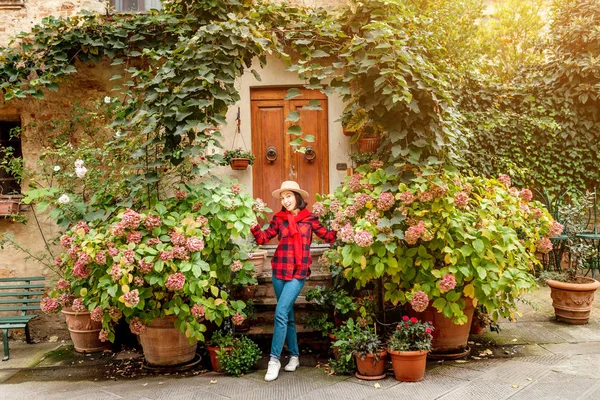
(18, 295)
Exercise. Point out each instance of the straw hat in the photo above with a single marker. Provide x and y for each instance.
(292, 187)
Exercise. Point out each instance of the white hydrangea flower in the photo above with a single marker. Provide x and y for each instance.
(80, 172)
(107, 99)
(56, 168)
(64, 199)
(78, 163)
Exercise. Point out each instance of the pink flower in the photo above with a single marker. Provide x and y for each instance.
(420, 301)
(544, 245)
(555, 229)
(526, 194)
(113, 252)
(201, 220)
(405, 318)
(375, 164)
(73, 252)
(58, 262)
(136, 326)
(181, 195)
(115, 272)
(319, 209)
(237, 319)
(139, 281)
(145, 267)
(82, 225)
(236, 188)
(177, 239)
(63, 284)
(259, 206)
(194, 244)
(361, 200)
(372, 216)
(49, 305)
(97, 314)
(197, 311)
(505, 179)
(334, 206)
(385, 201)
(84, 258)
(166, 255)
(347, 233)
(447, 283)
(153, 241)
(78, 306)
(426, 196)
(406, 197)
(129, 256)
(414, 320)
(180, 253)
(513, 191)
(236, 266)
(415, 232)
(134, 237)
(363, 238)
(103, 336)
(152, 221)
(354, 182)
(131, 298)
(115, 314)
(428, 331)
(175, 281)
(80, 270)
(100, 257)
(131, 219)
(66, 299)
(537, 213)
(461, 199)
(66, 241)
(118, 229)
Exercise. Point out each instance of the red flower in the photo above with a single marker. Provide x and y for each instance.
(413, 320)
(428, 330)
(405, 318)
(406, 325)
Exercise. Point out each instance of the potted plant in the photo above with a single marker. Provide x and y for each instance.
(572, 294)
(366, 132)
(368, 353)
(343, 362)
(238, 159)
(408, 347)
(332, 305)
(441, 241)
(220, 343)
(240, 357)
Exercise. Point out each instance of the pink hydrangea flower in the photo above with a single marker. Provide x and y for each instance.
(447, 283)
(181, 195)
(129, 256)
(194, 244)
(544, 245)
(166, 255)
(354, 182)
(103, 336)
(426, 196)
(78, 306)
(385, 201)
(139, 281)
(49, 305)
(131, 219)
(236, 266)
(113, 252)
(97, 314)
(100, 257)
(361, 200)
(153, 241)
(152, 221)
(84, 258)
(555, 229)
(363, 238)
(201, 220)
(319, 209)
(134, 237)
(513, 191)
(58, 262)
(237, 319)
(415, 232)
(66, 241)
(420, 301)
(205, 230)
(236, 188)
(81, 271)
(82, 225)
(375, 164)
(461, 199)
(406, 197)
(118, 229)
(136, 326)
(505, 179)
(63, 284)
(197, 311)
(537, 213)
(73, 252)
(259, 206)
(372, 216)
(116, 272)
(347, 233)
(178, 239)
(66, 300)
(145, 267)
(180, 253)
(335, 205)
(114, 313)
(175, 281)
(526, 194)
(132, 297)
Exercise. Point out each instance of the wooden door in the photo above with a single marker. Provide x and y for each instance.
(269, 127)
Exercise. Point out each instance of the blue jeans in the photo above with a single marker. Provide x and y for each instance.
(285, 326)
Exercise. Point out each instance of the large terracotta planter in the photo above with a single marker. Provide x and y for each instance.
(84, 332)
(214, 361)
(409, 366)
(258, 259)
(370, 369)
(573, 301)
(449, 339)
(165, 345)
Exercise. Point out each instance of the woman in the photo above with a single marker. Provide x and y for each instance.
(294, 226)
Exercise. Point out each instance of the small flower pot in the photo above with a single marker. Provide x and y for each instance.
(370, 369)
(214, 360)
(368, 144)
(9, 205)
(239, 164)
(409, 366)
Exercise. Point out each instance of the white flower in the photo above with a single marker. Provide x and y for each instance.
(118, 134)
(107, 99)
(78, 163)
(80, 172)
(56, 168)
(64, 199)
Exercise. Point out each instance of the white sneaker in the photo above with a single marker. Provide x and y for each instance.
(292, 364)
(272, 370)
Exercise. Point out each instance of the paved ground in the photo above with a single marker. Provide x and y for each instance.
(533, 358)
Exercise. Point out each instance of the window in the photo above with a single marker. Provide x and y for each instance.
(10, 157)
(135, 5)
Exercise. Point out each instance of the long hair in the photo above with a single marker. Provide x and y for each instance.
(300, 203)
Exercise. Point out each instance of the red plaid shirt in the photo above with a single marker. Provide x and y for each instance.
(283, 260)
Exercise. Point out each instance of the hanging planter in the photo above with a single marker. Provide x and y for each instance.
(239, 164)
(368, 144)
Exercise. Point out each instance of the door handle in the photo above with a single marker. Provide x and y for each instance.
(271, 154)
(310, 154)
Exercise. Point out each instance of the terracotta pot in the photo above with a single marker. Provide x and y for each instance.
(9, 207)
(368, 145)
(369, 367)
(573, 301)
(449, 339)
(258, 259)
(239, 163)
(84, 332)
(165, 345)
(347, 133)
(214, 361)
(409, 366)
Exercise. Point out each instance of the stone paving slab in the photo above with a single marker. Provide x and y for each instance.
(432, 387)
(23, 355)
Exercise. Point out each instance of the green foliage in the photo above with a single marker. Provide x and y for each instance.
(334, 304)
(365, 341)
(241, 358)
(411, 335)
(221, 338)
(344, 363)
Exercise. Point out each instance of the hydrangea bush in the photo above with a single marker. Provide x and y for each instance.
(436, 236)
(176, 258)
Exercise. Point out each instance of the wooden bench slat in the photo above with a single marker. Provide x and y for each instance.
(15, 294)
(27, 278)
(17, 301)
(16, 319)
(22, 308)
(11, 326)
(32, 286)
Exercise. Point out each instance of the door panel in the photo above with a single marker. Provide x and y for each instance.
(269, 111)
